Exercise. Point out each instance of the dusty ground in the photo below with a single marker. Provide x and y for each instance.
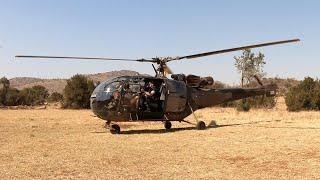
(73, 144)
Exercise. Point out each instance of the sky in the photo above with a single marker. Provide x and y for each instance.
(146, 28)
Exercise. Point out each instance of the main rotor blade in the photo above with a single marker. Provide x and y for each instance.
(84, 58)
(236, 49)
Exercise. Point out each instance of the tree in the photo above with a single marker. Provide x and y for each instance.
(41, 94)
(55, 97)
(36, 95)
(5, 83)
(304, 96)
(77, 92)
(249, 64)
(4, 86)
(12, 97)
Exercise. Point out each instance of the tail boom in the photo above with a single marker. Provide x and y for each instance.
(211, 97)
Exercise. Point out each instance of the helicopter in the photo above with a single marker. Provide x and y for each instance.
(163, 99)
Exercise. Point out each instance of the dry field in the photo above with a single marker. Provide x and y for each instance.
(53, 143)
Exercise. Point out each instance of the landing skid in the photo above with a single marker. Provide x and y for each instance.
(115, 128)
(200, 125)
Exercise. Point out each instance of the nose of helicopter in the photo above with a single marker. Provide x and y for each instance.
(98, 104)
(102, 101)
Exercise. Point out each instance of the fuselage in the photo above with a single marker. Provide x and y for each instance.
(110, 101)
(121, 98)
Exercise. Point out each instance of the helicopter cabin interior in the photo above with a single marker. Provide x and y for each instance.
(147, 98)
(143, 98)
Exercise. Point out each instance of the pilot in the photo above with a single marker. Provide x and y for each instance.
(125, 88)
(147, 97)
(152, 97)
(150, 90)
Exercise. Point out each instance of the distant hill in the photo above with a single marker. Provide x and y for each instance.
(57, 85)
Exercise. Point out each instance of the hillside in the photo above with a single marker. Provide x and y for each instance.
(57, 85)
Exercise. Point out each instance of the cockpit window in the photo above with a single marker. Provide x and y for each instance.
(112, 87)
(100, 87)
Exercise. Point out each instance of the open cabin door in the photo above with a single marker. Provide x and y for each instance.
(176, 99)
(151, 107)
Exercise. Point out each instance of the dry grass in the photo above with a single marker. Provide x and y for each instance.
(71, 144)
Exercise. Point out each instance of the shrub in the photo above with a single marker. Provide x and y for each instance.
(55, 97)
(2, 96)
(4, 86)
(77, 92)
(36, 95)
(12, 97)
(304, 96)
(243, 105)
(262, 102)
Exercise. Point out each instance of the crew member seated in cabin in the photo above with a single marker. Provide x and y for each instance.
(150, 98)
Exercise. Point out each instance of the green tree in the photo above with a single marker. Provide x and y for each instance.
(77, 92)
(36, 95)
(4, 86)
(5, 83)
(249, 64)
(41, 94)
(12, 97)
(304, 96)
(55, 97)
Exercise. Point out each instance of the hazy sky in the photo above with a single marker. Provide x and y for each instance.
(141, 28)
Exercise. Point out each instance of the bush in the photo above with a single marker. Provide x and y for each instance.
(304, 96)
(2, 96)
(4, 86)
(262, 102)
(77, 92)
(243, 105)
(36, 95)
(55, 97)
(12, 97)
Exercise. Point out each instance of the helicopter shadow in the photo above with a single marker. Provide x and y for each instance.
(160, 131)
(213, 125)
(271, 127)
(210, 126)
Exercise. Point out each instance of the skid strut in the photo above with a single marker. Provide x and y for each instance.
(200, 124)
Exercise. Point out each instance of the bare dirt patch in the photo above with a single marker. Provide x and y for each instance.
(261, 144)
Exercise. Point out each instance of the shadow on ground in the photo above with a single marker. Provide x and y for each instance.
(210, 126)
